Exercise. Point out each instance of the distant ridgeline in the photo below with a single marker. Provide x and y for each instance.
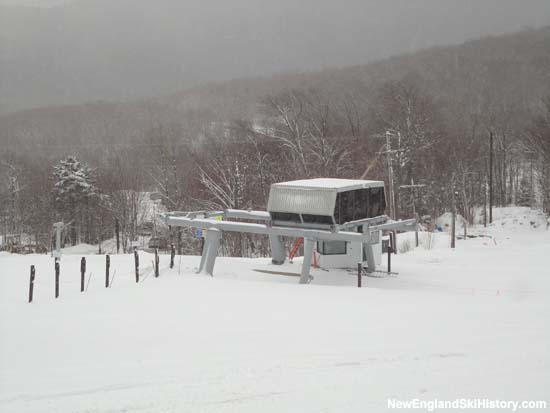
(222, 145)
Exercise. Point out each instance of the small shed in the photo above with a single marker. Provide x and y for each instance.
(330, 202)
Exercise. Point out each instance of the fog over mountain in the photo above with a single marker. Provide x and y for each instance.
(33, 3)
(124, 49)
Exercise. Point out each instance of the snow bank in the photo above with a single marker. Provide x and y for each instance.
(514, 216)
(445, 222)
(469, 322)
(81, 249)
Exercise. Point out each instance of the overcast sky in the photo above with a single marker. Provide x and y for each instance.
(41, 3)
(108, 49)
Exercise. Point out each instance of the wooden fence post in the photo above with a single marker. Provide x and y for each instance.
(172, 255)
(359, 276)
(82, 273)
(156, 262)
(56, 279)
(136, 260)
(107, 266)
(31, 284)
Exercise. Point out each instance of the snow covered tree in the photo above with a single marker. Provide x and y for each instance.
(75, 196)
(13, 195)
(412, 116)
(74, 183)
(309, 129)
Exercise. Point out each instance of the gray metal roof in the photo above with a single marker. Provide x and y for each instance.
(330, 184)
(312, 196)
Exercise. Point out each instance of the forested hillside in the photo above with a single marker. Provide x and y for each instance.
(221, 145)
(84, 50)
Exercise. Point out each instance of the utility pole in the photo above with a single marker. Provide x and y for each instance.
(388, 135)
(453, 224)
(413, 187)
(485, 199)
(532, 196)
(390, 175)
(491, 177)
(4, 227)
(117, 232)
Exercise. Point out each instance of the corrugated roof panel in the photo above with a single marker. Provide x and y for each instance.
(312, 201)
(336, 184)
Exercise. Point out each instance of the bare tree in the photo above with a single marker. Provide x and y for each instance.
(538, 140)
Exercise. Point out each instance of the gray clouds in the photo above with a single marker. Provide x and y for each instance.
(124, 49)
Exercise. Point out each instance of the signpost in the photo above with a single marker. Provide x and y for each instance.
(58, 226)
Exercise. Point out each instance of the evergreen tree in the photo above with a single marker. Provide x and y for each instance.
(75, 197)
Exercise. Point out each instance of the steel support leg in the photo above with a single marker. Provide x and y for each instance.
(212, 243)
(203, 257)
(278, 254)
(305, 278)
(371, 262)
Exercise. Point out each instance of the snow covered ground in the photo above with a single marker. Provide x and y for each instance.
(470, 322)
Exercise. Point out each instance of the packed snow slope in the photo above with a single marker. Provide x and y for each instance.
(469, 322)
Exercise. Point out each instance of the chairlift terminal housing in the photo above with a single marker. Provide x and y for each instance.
(342, 219)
